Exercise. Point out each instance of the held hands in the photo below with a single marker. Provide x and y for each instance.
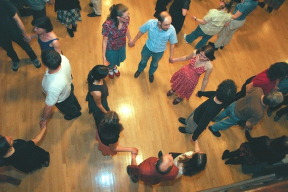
(131, 43)
(26, 37)
(43, 123)
(171, 60)
(134, 151)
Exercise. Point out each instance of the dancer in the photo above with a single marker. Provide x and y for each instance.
(211, 24)
(249, 109)
(47, 39)
(258, 150)
(12, 29)
(198, 120)
(164, 168)
(23, 155)
(241, 11)
(97, 92)
(184, 81)
(114, 31)
(159, 33)
(58, 87)
(108, 133)
(191, 162)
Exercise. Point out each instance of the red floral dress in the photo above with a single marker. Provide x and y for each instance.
(184, 81)
(116, 37)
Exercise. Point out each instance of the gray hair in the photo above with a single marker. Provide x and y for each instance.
(273, 98)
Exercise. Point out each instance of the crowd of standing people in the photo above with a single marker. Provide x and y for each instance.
(262, 92)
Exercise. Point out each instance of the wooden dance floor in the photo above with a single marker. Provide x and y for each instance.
(147, 114)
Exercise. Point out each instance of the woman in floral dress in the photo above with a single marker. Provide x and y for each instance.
(114, 31)
(184, 81)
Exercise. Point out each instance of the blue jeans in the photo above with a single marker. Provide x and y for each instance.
(228, 122)
(197, 33)
(146, 54)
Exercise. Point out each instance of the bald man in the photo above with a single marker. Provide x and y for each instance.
(159, 33)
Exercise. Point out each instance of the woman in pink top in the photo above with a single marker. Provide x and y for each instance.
(267, 80)
(184, 81)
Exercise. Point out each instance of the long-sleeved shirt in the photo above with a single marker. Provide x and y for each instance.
(205, 112)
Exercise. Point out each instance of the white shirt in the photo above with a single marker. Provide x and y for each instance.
(180, 165)
(57, 86)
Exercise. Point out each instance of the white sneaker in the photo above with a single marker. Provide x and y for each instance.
(185, 37)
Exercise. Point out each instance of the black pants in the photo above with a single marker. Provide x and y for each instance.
(160, 6)
(70, 106)
(6, 43)
(38, 14)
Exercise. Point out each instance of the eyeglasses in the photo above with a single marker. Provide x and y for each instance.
(203, 56)
(125, 17)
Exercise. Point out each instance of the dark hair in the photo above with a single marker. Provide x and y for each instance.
(208, 51)
(98, 72)
(109, 127)
(277, 71)
(194, 165)
(51, 59)
(44, 23)
(273, 98)
(4, 146)
(226, 91)
(228, 5)
(116, 10)
(158, 164)
(161, 17)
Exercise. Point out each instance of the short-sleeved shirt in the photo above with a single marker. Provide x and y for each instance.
(246, 7)
(215, 19)
(7, 23)
(116, 37)
(27, 157)
(262, 80)
(250, 107)
(147, 173)
(158, 38)
(57, 86)
(205, 112)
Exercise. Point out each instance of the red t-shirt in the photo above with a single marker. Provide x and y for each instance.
(262, 80)
(147, 173)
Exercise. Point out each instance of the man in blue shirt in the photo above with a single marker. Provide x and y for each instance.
(242, 10)
(159, 33)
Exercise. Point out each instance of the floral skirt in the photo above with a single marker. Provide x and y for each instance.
(69, 17)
